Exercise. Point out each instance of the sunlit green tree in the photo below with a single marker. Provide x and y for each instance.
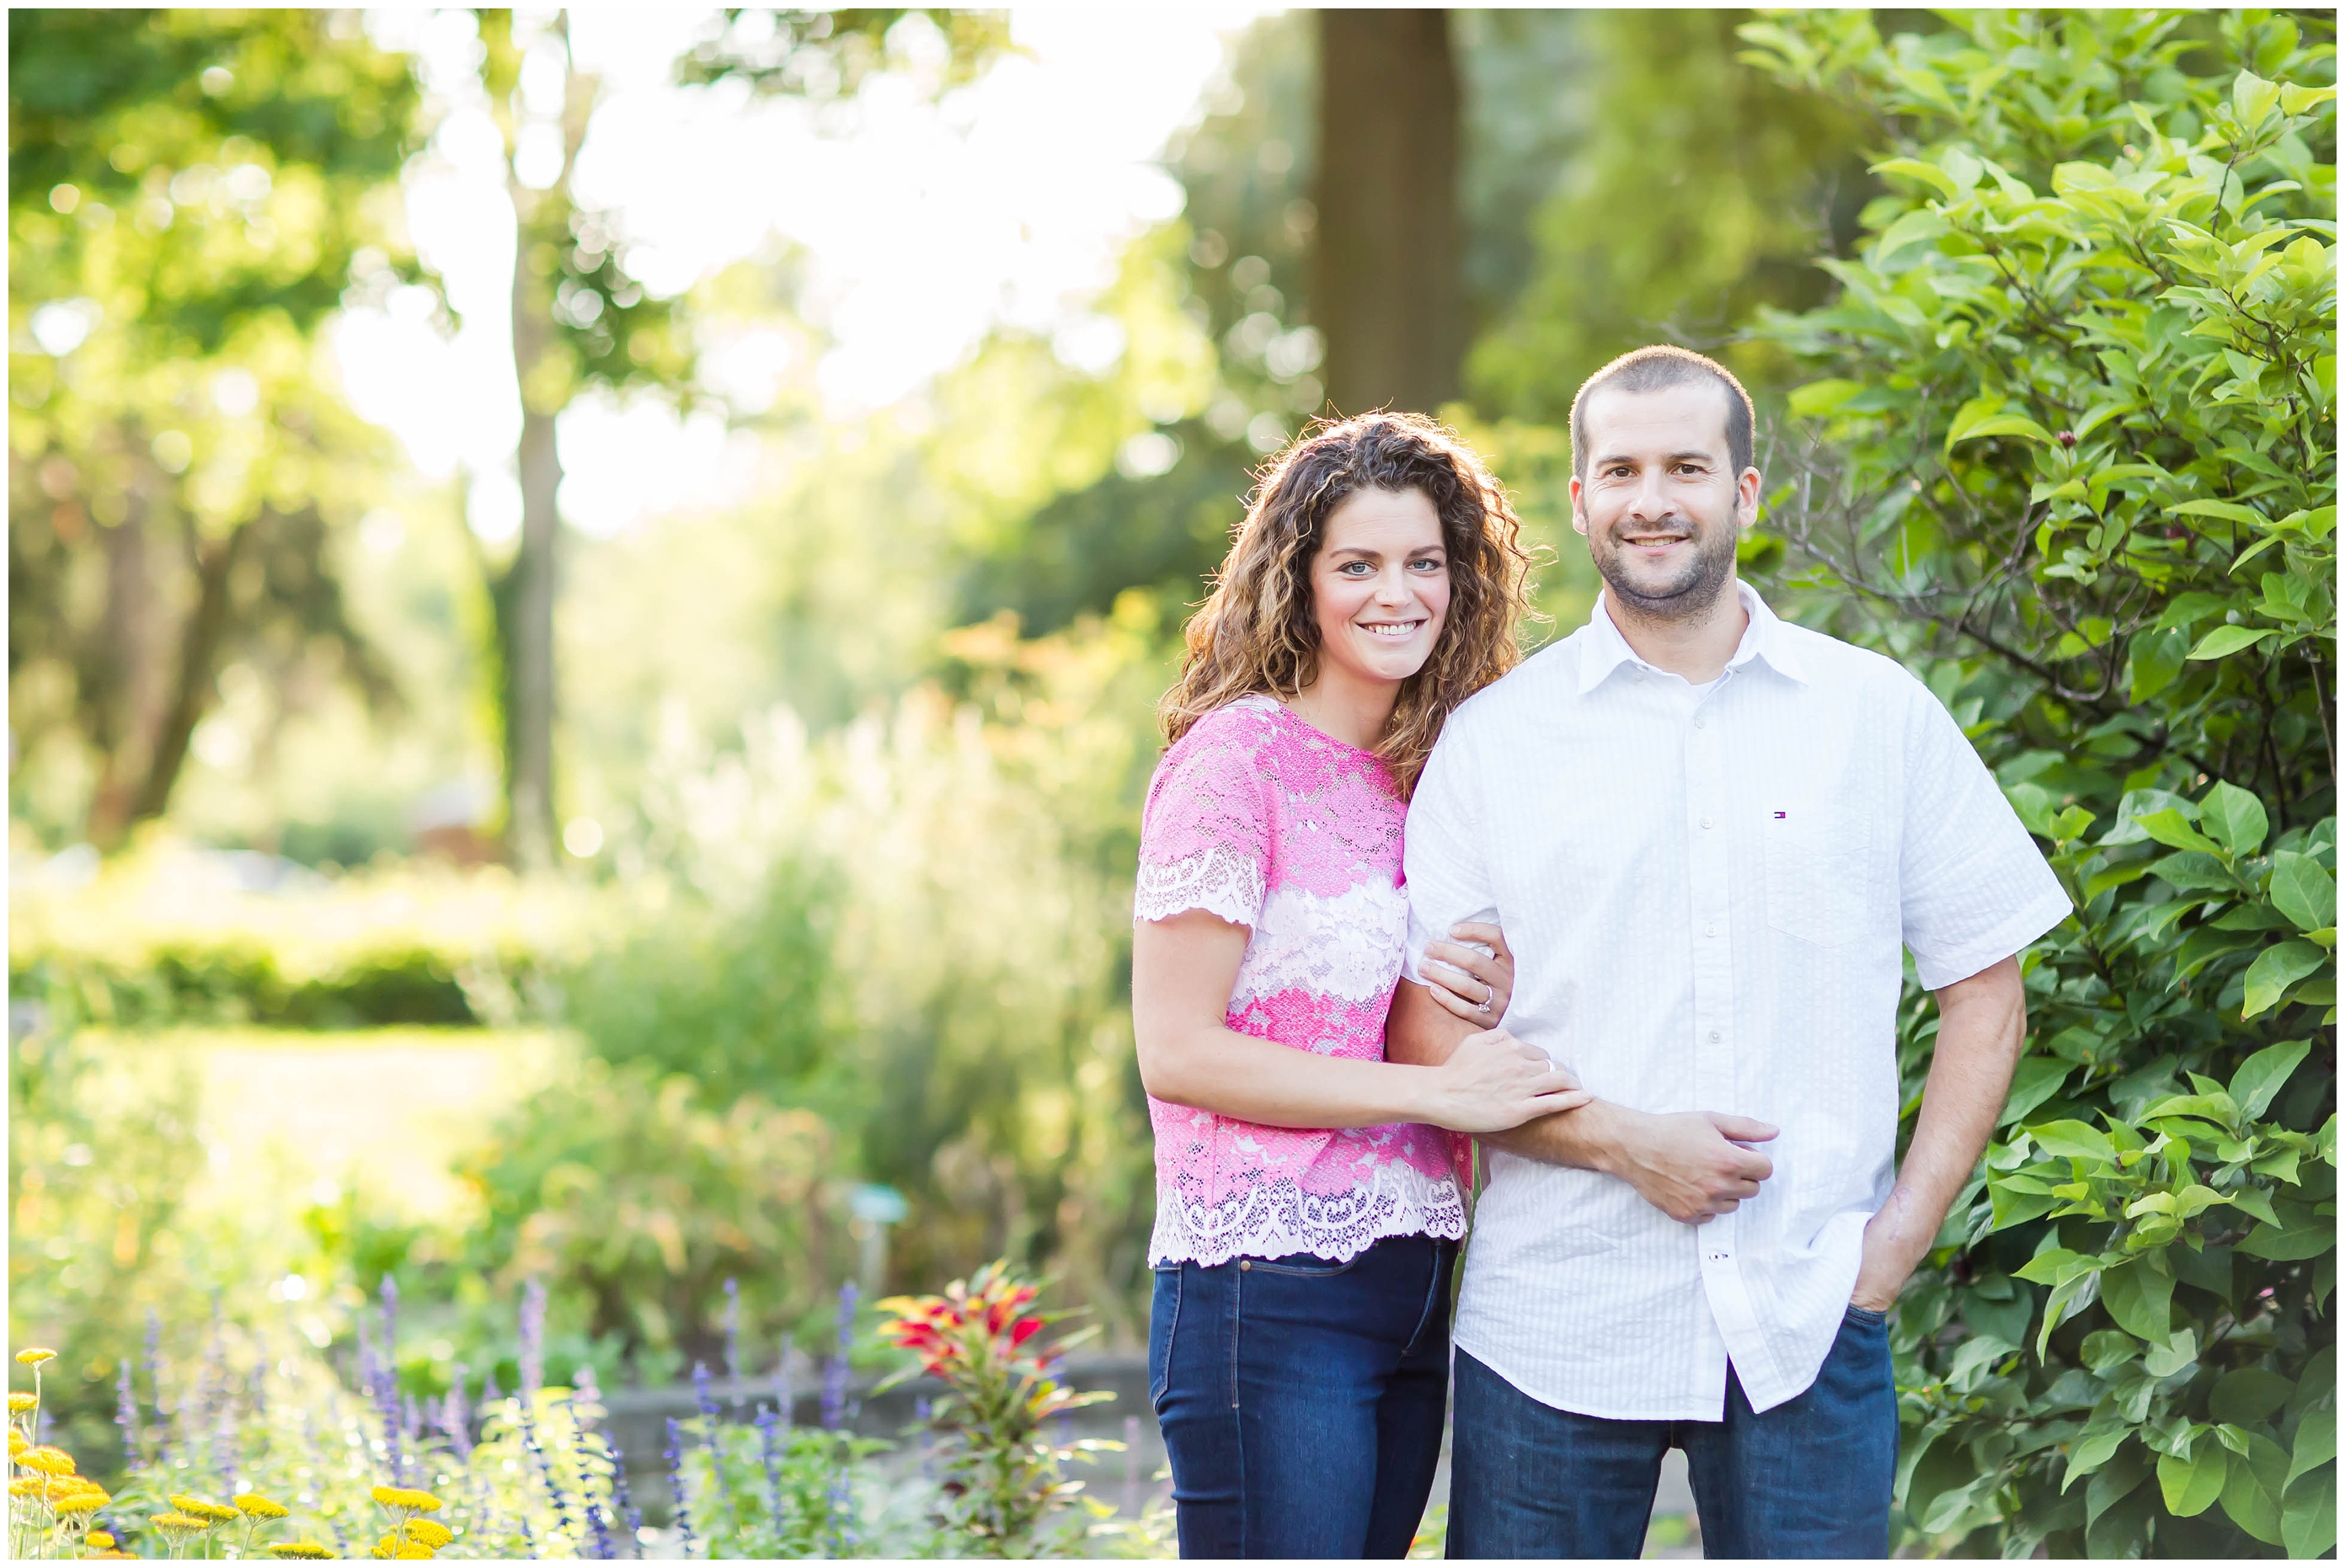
(192, 194)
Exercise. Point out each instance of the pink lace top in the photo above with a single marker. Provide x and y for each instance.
(1260, 818)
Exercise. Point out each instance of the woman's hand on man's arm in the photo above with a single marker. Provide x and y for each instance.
(1184, 969)
(1691, 1165)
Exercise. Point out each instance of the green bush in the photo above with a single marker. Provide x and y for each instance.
(742, 999)
(160, 937)
(2072, 457)
(634, 1202)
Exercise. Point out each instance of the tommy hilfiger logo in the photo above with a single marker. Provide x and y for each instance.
(1782, 816)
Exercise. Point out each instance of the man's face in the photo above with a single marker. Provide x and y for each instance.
(1659, 501)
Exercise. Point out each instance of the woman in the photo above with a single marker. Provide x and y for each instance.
(1307, 1208)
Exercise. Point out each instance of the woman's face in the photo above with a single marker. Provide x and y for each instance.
(1380, 585)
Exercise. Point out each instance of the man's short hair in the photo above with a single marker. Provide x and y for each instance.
(1652, 369)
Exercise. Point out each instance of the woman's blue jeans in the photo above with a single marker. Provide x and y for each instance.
(1301, 1399)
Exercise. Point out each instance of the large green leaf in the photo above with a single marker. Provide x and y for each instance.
(2302, 889)
(2274, 970)
(2291, 1243)
(2225, 640)
(2036, 1079)
(2248, 1395)
(2316, 1442)
(2140, 1298)
(2167, 828)
(1917, 227)
(2252, 1494)
(2309, 1513)
(2191, 1486)
(2264, 1075)
(2236, 818)
(2073, 1140)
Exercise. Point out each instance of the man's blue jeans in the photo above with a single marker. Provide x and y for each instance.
(1810, 1478)
(1301, 1399)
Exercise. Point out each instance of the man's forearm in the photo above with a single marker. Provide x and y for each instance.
(1421, 1030)
(1585, 1138)
(1981, 1025)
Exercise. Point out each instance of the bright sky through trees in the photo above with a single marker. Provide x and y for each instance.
(925, 226)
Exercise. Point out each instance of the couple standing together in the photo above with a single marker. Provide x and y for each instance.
(1642, 937)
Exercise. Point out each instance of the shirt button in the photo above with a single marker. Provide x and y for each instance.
(1710, 930)
(1697, 723)
(1705, 822)
(1713, 1037)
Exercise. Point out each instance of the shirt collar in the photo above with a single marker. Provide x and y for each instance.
(1605, 650)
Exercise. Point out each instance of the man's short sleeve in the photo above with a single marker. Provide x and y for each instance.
(1973, 887)
(1448, 878)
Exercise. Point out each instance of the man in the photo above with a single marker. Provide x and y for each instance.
(1708, 835)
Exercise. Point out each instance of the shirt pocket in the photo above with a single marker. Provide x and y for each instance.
(1819, 866)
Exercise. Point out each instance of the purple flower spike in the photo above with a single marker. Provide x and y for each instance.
(769, 1449)
(704, 1397)
(674, 1456)
(628, 1513)
(533, 1338)
(605, 1549)
(834, 1410)
(126, 1416)
(389, 1294)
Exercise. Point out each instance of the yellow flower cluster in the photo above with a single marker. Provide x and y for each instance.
(410, 1537)
(20, 1403)
(310, 1550)
(204, 1508)
(252, 1505)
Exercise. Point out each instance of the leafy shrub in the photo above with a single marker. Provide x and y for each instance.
(740, 999)
(967, 867)
(95, 1172)
(2073, 459)
(165, 936)
(636, 1201)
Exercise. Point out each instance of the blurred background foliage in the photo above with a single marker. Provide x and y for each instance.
(824, 885)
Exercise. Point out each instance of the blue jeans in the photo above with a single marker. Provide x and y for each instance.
(1301, 1399)
(1810, 1478)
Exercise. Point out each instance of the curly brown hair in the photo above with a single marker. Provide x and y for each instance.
(1256, 632)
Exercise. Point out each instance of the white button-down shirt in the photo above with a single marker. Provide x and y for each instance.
(1708, 893)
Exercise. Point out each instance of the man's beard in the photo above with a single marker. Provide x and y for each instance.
(1691, 596)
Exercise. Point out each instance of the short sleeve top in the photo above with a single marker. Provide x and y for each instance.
(1257, 817)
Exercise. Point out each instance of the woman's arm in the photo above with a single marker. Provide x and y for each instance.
(1183, 970)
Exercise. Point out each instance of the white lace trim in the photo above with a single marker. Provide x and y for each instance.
(1349, 946)
(1221, 880)
(1275, 1218)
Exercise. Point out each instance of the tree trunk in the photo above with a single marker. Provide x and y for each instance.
(1385, 289)
(123, 701)
(524, 606)
(525, 595)
(200, 645)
